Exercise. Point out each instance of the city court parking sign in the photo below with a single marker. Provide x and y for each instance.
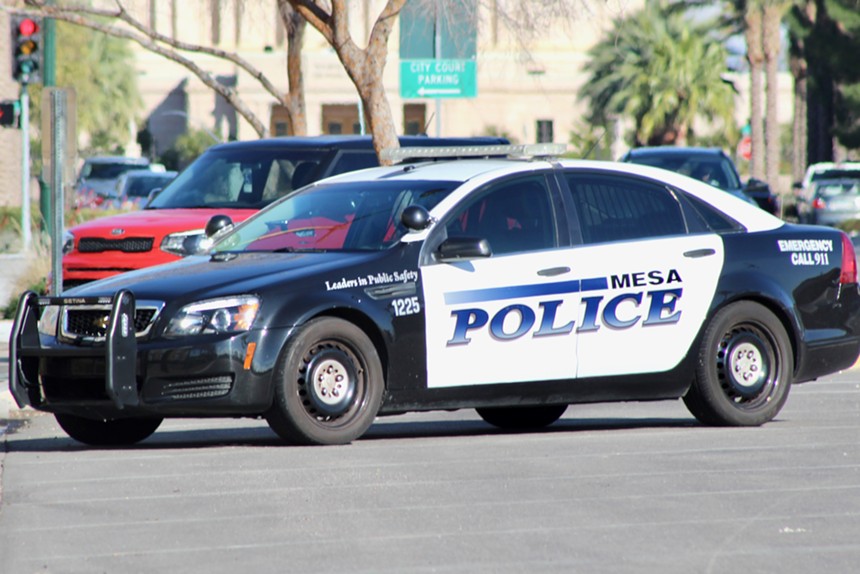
(438, 78)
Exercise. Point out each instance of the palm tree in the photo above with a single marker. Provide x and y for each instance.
(663, 71)
(772, 14)
(755, 57)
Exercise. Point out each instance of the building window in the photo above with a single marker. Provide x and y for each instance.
(414, 118)
(339, 117)
(279, 121)
(544, 131)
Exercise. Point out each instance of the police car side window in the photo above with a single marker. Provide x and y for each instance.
(513, 216)
(611, 208)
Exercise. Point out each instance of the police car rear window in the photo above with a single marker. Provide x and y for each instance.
(612, 208)
(715, 220)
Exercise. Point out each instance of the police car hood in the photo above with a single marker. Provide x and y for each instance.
(204, 277)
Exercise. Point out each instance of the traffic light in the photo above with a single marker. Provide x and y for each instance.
(26, 49)
(9, 113)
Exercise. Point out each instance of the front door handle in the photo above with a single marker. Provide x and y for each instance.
(553, 271)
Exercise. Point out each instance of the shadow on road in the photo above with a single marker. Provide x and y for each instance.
(385, 430)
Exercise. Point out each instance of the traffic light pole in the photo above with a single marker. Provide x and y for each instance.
(26, 232)
(48, 80)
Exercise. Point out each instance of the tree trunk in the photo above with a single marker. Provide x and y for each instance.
(797, 63)
(755, 57)
(771, 43)
(364, 67)
(295, 26)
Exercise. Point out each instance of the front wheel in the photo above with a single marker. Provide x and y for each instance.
(521, 418)
(328, 385)
(744, 368)
(116, 432)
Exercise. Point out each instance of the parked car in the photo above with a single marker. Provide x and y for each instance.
(96, 183)
(134, 188)
(833, 201)
(515, 287)
(710, 165)
(808, 202)
(235, 179)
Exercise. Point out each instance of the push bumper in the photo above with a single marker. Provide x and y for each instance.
(121, 375)
(119, 350)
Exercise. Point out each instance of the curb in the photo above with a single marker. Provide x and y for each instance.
(8, 407)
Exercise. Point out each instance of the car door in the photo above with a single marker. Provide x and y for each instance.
(507, 317)
(657, 275)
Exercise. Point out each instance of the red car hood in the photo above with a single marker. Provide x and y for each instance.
(155, 222)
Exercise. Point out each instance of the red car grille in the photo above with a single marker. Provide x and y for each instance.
(126, 245)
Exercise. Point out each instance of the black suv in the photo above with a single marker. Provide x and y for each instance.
(711, 165)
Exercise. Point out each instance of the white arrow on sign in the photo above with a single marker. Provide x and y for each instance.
(422, 91)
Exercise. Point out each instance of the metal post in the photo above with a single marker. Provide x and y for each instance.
(437, 53)
(26, 232)
(49, 78)
(58, 151)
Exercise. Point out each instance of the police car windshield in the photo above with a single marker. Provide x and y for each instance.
(355, 216)
(240, 178)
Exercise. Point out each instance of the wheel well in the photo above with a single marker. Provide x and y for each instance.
(364, 323)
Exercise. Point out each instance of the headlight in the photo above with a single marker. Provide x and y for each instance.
(230, 315)
(187, 243)
(49, 320)
(68, 242)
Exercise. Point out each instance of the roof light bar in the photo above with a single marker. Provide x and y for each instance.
(512, 151)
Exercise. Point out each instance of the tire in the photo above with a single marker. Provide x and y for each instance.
(744, 368)
(116, 432)
(328, 385)
(522, 418)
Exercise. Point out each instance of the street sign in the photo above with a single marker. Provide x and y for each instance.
(431, 78)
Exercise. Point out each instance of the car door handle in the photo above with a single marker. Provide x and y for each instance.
(553, 271)
(707, 252)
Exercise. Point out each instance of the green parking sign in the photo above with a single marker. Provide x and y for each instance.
(438, 78)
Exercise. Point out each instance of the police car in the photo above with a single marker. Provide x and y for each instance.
(512, 285)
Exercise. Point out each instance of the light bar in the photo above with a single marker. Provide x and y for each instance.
(512, 151)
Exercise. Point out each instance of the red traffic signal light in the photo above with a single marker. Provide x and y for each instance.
(26, 49)
(27, 27)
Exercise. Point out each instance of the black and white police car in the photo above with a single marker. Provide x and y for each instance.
(515, 286)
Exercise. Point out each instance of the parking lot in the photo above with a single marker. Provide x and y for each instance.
(609, 488)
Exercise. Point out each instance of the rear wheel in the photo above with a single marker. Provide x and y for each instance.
(744, 369)
(328, 386)
(520, 418)
(116, 432)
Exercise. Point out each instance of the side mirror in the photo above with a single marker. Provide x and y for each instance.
(756, 185)
(461, 248)
(218, 224)
(415, 218)
(151, 195)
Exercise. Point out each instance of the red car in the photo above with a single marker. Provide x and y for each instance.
(234, 179)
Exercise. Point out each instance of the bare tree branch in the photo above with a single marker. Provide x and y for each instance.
(149, 40)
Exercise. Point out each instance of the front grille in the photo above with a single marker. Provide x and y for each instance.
(126, 245)
(92, 322)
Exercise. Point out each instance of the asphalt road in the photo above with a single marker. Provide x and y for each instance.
(609, 488)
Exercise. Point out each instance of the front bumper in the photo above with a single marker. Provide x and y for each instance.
(120, 376)
(85, 267)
